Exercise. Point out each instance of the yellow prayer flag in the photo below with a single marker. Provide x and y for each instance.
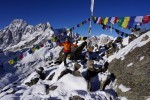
(125, 22)
(33, 49)
(11, 62)
(105, 20)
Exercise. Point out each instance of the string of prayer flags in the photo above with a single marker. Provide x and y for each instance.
(21, 56)
(121, 33)
(79, 25)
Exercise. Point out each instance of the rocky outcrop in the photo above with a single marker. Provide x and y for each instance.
(133, 72)
(76, 98)
(40, 75)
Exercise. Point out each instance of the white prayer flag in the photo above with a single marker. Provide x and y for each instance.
(138, 19)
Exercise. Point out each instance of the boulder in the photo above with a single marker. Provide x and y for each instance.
(51, 76)
(90, 49)
(132, 37)
(32, 82)
(135, 76)
(77, 73)
(52, 88)
(90, 65)
(66, 71)
(76, 66)
(145, 38)
(76, 98)
(41, 73)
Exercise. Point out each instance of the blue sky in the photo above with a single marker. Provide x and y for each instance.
(68, 13)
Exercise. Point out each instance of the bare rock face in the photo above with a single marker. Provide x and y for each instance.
(76, 98)
(133, 72)
(77, 66)
(132, 37)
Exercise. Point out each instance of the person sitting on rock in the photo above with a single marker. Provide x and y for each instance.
(67, 49)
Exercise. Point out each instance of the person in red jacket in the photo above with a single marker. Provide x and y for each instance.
(67, 48)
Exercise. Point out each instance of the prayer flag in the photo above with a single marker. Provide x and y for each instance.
(30, 51)
(114, 20)
(146, 19)
(138, 19)
(11, 62)
(42, 45)
(99, 20)
(16, 59)
(105, 20)
(131, 22)
(125, 22)
(121, 19)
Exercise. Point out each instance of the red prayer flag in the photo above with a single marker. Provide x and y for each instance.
(146, 19)
(42, 45)
(21, 57)
(116, 19)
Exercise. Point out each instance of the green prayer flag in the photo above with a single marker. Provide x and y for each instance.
(16, 59)
(120, 21)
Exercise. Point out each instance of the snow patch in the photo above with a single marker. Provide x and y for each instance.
(123, 98)
(70, 83)
(141, 58)
(123, 88)
(148, 98)
(129, 64)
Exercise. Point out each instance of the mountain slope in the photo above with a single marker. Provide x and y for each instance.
(131, 66)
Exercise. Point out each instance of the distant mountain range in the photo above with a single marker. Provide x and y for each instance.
(19, 34)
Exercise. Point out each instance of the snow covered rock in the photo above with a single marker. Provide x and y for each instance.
(132, 70)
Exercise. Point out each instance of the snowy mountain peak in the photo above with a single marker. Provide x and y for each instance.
(17, 21)
(102, 39)
(18, 31)
(17, 24)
